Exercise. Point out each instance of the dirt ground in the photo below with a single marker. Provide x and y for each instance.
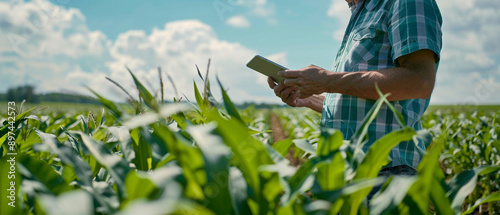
(279, 134)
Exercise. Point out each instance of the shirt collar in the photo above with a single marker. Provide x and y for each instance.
(354, 4)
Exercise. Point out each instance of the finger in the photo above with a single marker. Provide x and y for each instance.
(292, 99)
(271, 83)
(291, 82)
(278, 88)
(289, 73)
(305, 91)
(286, 92)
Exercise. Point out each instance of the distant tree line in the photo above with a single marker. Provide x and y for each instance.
(258, 106)
(18, 94)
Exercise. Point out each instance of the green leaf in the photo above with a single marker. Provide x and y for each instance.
(68, 173)
(360, 134)
(331, 140)
(199, 73)
(238, 189)
(376, 158)
(330, 174)
(346, 190)
(419, 193)
(249, 155)
(169, 203)
(461, 185)
(115, 165)
(115, 110)
(26, 145)
(300, 178)
(305, 146)
(228, 104)
(68, 157)
(10, 184)
(17, 120)
(123, 136)
(216, 156)
(392, 196)
(142, 150)
(282, 146)
(199, 99)
(399, 117)
(491, 198)
(161, 177)
(377, 155)
(76, 202)
(438, 196)
(148, 99)
(44, 173)
(105, 196)
(84, 125)
(139, 186)
(188, 158)
(149, 118)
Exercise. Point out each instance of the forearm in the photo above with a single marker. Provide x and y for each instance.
(412, 80)
(402, 83)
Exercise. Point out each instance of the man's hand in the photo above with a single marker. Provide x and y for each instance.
(289, 95)
(309, 80)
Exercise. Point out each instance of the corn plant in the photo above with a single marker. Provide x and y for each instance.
(207, 157)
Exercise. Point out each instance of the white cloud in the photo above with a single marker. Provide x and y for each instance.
(279, 58)
(41, 43)
(39, 28)
(262, 9)
(470, 64)
(341, 12)
(238, 22)
(62, 54)
(177, 48)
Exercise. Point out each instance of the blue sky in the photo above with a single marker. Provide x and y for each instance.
(301, 29)
(64, 45)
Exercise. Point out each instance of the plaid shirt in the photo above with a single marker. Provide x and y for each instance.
(379, 32)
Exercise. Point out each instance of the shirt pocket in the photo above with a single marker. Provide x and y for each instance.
(366, 33)
(363, 44)
(366, 46)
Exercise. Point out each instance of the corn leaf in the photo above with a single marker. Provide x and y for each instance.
(282, 146)
(228, 104)
(65, 203)
(44, 173)
(68, 157)
(115, 165)
(330, 174)
(376, 158)
(216, 156)
(148, 99)
(462, 184)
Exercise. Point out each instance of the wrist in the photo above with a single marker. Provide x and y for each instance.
(332, 82)
(315, 102)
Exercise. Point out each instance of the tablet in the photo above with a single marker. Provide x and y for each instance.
(266, 67)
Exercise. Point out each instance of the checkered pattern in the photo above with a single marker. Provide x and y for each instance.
(379, 32)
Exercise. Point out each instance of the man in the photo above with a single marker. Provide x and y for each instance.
(392, 43)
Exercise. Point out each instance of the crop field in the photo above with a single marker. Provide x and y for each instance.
(207, 157)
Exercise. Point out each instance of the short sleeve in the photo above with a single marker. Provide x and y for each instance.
(415, 25)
